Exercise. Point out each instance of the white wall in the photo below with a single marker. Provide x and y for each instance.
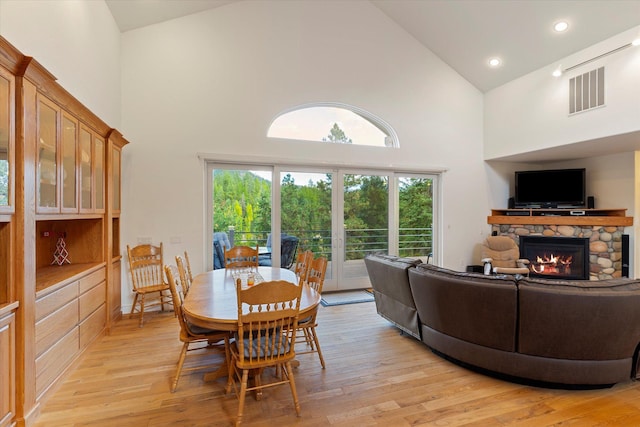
(532, 112)
(213, 82)
(75, 40)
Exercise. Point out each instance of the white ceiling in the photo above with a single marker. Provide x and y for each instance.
(463, 33)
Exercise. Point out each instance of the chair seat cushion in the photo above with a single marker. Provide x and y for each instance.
(153, 288)
(197, 330)
(257, 348)
(305, 320)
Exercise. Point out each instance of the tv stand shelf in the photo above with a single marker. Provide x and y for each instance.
(558, 216)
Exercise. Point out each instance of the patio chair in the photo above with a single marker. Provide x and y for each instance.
(288, 248)
(220, 244)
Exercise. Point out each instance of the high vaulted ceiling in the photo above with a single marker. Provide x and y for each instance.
(463, 33)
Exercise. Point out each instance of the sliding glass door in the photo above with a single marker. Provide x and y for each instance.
(415, 203)
(307, 211)
(239, 208)
(343, 215)
(364, 226)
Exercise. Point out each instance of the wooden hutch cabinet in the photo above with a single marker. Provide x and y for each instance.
(59, 232)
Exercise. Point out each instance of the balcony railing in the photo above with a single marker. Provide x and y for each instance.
(413, 242)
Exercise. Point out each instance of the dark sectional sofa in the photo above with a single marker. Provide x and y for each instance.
(581, 333)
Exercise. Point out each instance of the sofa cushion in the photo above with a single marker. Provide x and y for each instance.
(582, 320)
(390, 283)
(388, 275)
(469, 306)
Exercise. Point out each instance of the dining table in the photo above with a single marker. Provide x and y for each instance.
(212, 300)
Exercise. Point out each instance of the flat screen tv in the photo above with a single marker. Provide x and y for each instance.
(558, 188)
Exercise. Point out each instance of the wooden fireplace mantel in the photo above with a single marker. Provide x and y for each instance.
(543, 216)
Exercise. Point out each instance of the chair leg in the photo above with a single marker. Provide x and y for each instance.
(183, 355)
(229, 361)
(141, 311)
(243, 391)
(308, 337)
(312, 332)
(166, 299)
(133, 306)
(257, 383)
(292, 385)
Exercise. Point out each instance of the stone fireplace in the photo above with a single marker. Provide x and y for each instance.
(556, 257)
(604, 243)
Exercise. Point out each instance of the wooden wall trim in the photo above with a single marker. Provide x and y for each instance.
(10, 57)
(116, 137)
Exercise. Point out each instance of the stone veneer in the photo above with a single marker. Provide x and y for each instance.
(605, 243)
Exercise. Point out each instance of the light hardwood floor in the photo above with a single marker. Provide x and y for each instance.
(374, 377)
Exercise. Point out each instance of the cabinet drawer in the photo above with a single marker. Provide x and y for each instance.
(92, 280)
(7, 367)
(93, 326)
(92, 299)
(55, 361)
(55, 326)
(53, 301)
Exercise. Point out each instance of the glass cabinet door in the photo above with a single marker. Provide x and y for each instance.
(6, 139)
(86, 168)
(47, 157)
(115, 179)
(99, 174)
(69, 156)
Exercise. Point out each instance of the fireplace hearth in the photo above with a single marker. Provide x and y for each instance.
(556, 257)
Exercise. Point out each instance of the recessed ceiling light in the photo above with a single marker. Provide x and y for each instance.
(560, 26)
(494, 62)
(636, 42)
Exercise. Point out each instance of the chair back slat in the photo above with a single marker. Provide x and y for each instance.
(303, 262)
(176, 295)
(187, 264)
(185, 280)
(317, 272)
(241, 257)
(146, 266)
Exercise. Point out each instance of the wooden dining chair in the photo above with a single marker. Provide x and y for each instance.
(267, 320)
(306, 331)
(241, 257)
(195, 338)
(183, 274)
(303, 261)
(147, 278)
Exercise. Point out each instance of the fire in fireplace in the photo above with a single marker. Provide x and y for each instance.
(556, 257)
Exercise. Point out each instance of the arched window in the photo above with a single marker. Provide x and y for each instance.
(334, 123)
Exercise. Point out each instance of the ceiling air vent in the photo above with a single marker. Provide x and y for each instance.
(586, 91)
